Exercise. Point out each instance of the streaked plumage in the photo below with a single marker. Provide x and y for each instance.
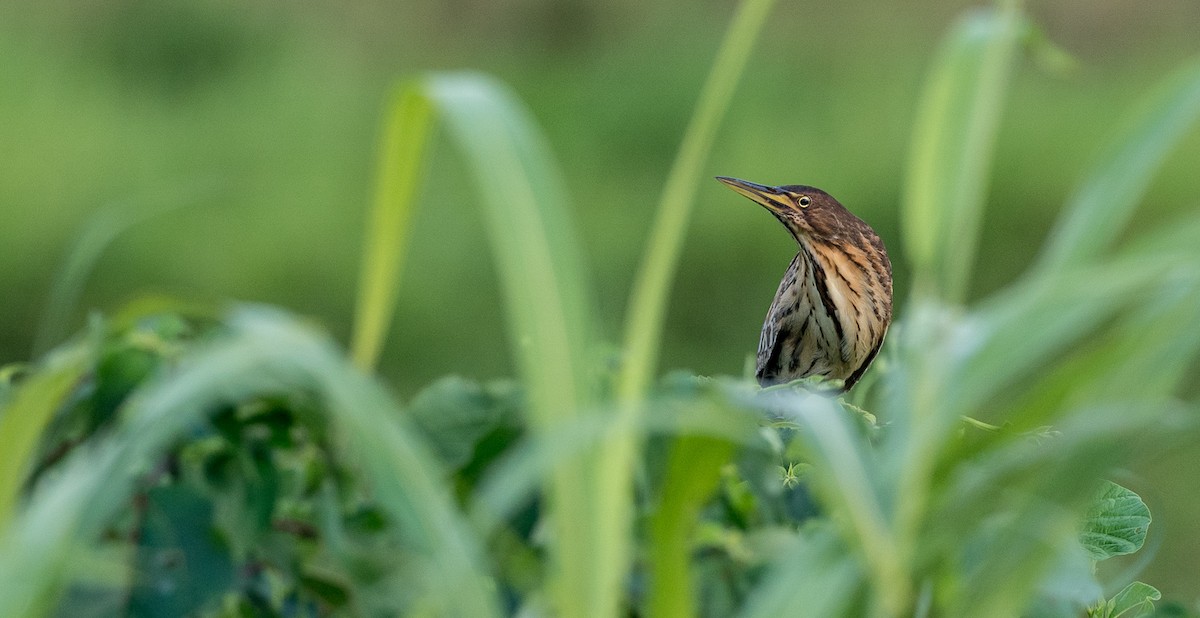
(834, 304)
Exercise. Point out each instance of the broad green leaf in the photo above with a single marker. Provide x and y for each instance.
(455, 414)
(949, 163)
(1006, 542)
(181, 564)
(1116, 524)
(1134, 601)
(1107, 199)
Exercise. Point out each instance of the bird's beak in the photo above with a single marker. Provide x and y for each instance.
(770, 197)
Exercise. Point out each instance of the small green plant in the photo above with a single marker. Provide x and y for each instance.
(168, 461)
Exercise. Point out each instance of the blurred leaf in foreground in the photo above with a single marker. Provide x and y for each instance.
(1135, 601)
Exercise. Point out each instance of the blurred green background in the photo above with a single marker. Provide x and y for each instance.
(260, 121)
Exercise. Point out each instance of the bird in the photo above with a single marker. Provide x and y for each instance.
(834, 304)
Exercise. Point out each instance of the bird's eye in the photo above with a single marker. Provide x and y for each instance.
(804, 201)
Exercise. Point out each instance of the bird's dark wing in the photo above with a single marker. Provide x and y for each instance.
(769, 348)
(770, 344)
(858, 373)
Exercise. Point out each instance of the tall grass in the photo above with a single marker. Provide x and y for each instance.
(926, 514)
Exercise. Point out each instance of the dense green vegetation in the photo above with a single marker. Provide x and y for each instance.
(171, 459)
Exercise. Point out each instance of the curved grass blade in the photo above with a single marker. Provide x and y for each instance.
(533, 239)
(648, 299)
(1015, 331)
(651, 288)
(100, 230)
(401, 159)
(1145, 356)
(27, 415)
(1106, 201)
(266, 352)
(949, 163)
(549, 314)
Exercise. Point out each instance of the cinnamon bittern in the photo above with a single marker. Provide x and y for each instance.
(834, 304)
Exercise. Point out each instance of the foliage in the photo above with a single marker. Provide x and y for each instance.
(169, 461)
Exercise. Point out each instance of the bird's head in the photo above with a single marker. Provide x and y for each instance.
(807, 212)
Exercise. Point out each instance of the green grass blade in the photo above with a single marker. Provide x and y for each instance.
(816, 579)
(693, 473)
(1145, 356)
(648, 299)
(844, 470)
(651, 288)
(949, 163)
(27, 415)
(101, 229)
(1014, 332)
(549, 313)
(1106, 201)
(265, 352)
(401, 157)
(533, 240)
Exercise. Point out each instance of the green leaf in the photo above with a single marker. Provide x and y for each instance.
(181, 564)
(1115, 524)
(1016, 330)
(549, 307)
(957, 120)
(1107, 199)
(547, 301)
(1134, 601)
(455, 414)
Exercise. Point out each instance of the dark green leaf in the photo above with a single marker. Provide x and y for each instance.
(455, 414)
(181, 564)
